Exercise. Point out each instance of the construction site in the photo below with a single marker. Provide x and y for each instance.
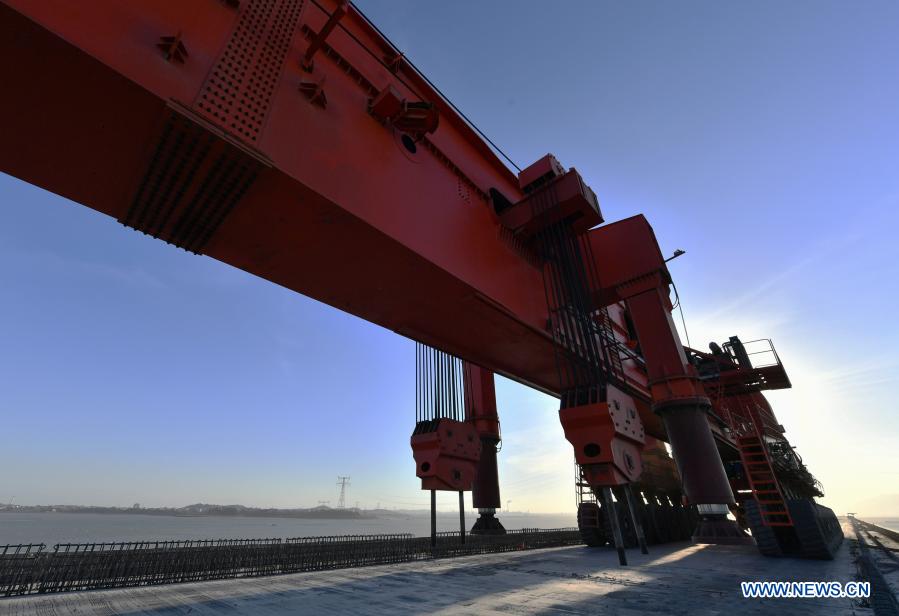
(272, 135)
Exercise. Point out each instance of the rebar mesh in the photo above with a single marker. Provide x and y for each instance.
(30, 569)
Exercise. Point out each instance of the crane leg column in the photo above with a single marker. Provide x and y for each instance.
(485, 495)
(635, 518)
(608, 505)
(680, 401)
(481, 410)
(433, 518)
(462, 516)
(678, 396)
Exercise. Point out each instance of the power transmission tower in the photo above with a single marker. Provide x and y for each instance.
(342, 483)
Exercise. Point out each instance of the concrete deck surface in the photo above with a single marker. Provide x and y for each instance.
(673, 579)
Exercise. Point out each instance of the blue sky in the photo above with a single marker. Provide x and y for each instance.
(762, 138)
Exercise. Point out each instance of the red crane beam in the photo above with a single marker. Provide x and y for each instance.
(198, 124)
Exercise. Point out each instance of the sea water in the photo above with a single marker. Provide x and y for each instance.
(52, 528)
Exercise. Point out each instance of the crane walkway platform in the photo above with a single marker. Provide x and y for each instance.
(672, 579)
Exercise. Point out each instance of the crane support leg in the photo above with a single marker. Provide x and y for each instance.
(635, 518)
(612, 517)
(461, 516)
(678, 397)
(680, 401)
(433, 518)
(481, 409)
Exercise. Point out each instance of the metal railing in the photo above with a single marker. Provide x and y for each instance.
(761, 352)
(31, 569)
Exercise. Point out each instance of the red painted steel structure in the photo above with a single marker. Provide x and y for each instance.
(290, 139)
(331, 204)
(325, 201)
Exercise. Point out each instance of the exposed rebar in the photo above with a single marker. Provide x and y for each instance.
(440, 389)
(29, 569)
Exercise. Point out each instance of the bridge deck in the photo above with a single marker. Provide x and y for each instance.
(674, 579)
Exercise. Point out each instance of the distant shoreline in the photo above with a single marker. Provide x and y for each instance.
(201, 511)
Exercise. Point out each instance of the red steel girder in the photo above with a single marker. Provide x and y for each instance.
(222, 154)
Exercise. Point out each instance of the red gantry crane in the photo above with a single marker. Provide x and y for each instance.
(291, 139)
